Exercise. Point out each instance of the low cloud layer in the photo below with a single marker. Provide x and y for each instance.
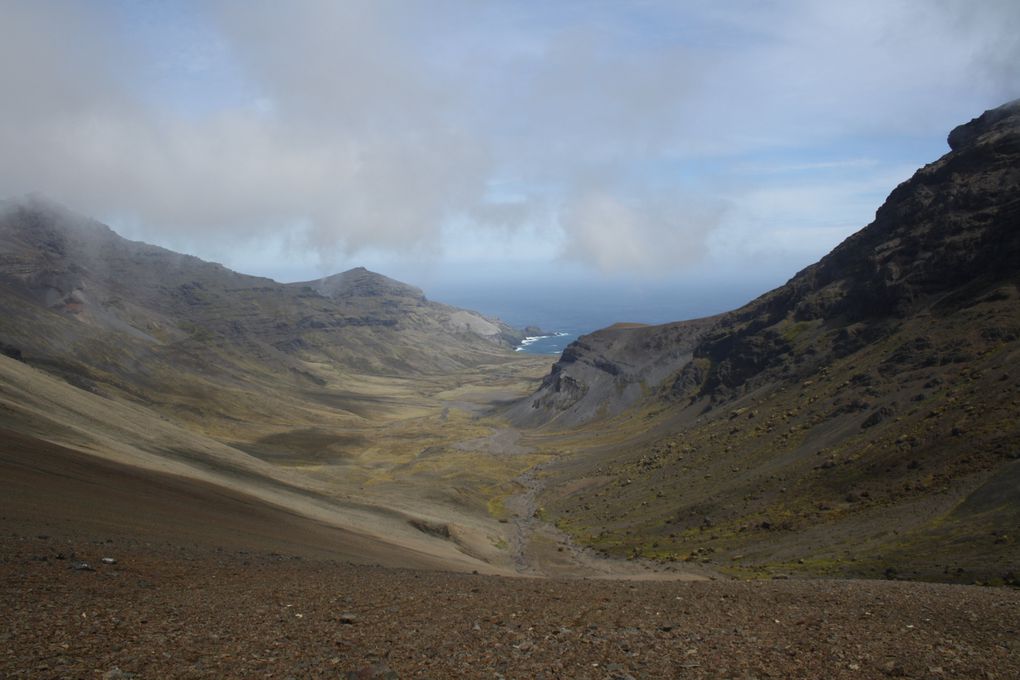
(610, 132)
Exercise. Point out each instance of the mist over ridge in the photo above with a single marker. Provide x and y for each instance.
(295, 141)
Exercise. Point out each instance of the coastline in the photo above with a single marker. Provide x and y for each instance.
(554, 343)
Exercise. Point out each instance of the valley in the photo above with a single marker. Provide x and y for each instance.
(210, 474)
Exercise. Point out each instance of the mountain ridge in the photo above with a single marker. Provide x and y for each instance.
(81, 270)
(861, 419)
(315, 397)
(849, 289)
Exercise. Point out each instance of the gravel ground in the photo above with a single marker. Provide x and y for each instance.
(166, 611)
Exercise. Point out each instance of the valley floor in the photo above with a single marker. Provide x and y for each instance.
(187, 610)
(427, 478)
(257, 556)
(211, 582)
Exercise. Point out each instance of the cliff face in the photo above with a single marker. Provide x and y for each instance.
(862, 417)
(603, 373)
(941, 239)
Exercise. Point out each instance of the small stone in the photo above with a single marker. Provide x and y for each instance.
(108, 560)
(348, 618)
(618, 672)
(379, 671)
(81, 566)
(893, 669)
(117, 674)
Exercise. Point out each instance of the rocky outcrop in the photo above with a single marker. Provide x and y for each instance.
(863, 419)
(382, 301)
(947, 235)
(605, 372)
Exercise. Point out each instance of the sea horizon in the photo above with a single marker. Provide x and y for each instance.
(564, 313)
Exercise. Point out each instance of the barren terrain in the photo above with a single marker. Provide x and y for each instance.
(206, 474)
(210, 581)
(189, 610)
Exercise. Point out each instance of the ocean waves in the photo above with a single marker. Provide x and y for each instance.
(553, 343)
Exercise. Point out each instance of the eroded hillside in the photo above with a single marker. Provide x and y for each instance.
(862, 419)
(343, 400)
(859, 420)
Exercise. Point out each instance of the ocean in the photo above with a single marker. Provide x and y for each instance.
(565, 312)
(553, 344)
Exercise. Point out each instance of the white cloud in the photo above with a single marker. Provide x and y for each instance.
(791, 223)
(360, 126)
(655, 235)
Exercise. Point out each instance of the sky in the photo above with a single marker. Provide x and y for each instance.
(468, 144)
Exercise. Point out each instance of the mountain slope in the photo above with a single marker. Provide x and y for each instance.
(110, 314)
(864, 417)
(602, 373)
(318, 397)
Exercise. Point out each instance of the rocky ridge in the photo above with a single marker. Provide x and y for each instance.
(942, 238)
(73, 293)
(860, 419)
(602, 373)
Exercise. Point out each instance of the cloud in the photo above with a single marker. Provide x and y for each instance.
(611, 132)
(652, 235)
(792, 223)
(346, 142)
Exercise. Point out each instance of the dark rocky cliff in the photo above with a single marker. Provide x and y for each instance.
(603, 373)
(946, 236)
(862, 419)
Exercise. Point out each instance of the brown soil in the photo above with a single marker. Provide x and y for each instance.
(188, 612)
(210, 583)
(61, 491)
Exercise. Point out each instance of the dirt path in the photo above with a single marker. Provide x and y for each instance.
(539, 548)
(502, 442)
(522, 508)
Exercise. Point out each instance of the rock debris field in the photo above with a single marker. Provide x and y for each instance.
(195, 612)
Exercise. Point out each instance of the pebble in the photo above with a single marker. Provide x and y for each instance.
(214, 617)
(378, 671)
